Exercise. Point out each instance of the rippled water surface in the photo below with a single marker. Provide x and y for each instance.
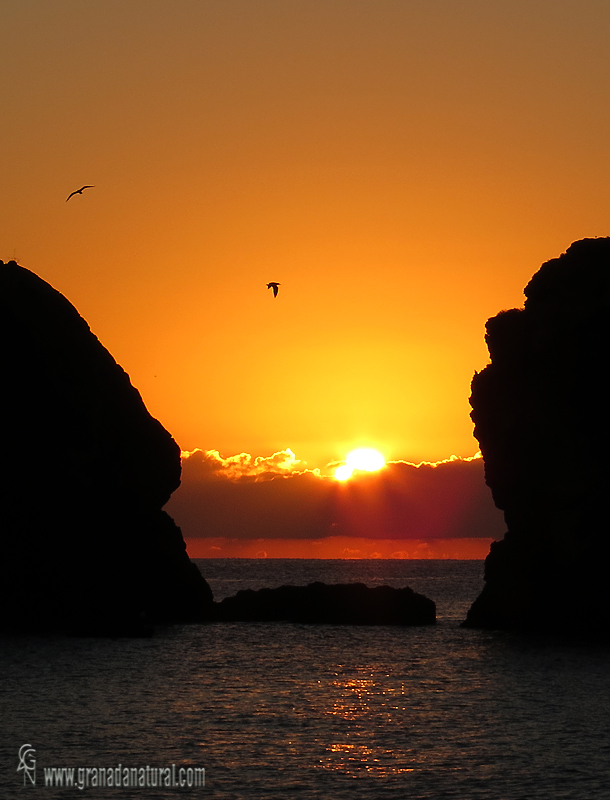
(291, 711)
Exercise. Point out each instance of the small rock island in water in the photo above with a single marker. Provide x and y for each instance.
(542, 418)
(339, 604)
(85, 546)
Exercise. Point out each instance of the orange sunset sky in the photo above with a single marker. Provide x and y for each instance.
(401, 168)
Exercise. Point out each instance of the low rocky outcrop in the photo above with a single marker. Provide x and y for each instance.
(338, 604)
(84, 473)
(541, 417)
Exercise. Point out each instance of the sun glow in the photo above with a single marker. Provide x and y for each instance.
(364, 458)
(343, 472)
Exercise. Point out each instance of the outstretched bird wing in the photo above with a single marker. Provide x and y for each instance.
(275, 286)
(79, 191)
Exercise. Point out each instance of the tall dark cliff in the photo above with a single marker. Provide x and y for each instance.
(84, 473)
(541, 415)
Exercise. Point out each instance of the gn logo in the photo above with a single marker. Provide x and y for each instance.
(27, 763)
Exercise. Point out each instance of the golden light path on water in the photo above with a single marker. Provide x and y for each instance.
(356, 699)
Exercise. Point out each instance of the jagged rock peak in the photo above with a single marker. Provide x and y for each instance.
(541, 417)
(86, 471)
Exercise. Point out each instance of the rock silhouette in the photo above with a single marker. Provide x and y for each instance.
(85, 546)
(339, 604)
(541, 417)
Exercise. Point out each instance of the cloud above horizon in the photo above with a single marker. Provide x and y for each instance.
(210, 465)
(277, 497)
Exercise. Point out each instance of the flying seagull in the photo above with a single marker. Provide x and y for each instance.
(275, 286)
(79, 191)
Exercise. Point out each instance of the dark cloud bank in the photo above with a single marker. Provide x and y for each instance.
(272, 498)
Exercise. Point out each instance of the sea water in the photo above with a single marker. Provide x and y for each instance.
(325, 711)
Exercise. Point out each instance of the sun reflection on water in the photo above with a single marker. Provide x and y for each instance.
(366, 702)
(353, 701)
(368, 759)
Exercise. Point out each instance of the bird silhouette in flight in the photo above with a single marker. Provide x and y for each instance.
(79, 191)
(275, 286)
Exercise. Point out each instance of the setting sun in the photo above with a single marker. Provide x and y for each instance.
(343, 472)
(364, 458)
